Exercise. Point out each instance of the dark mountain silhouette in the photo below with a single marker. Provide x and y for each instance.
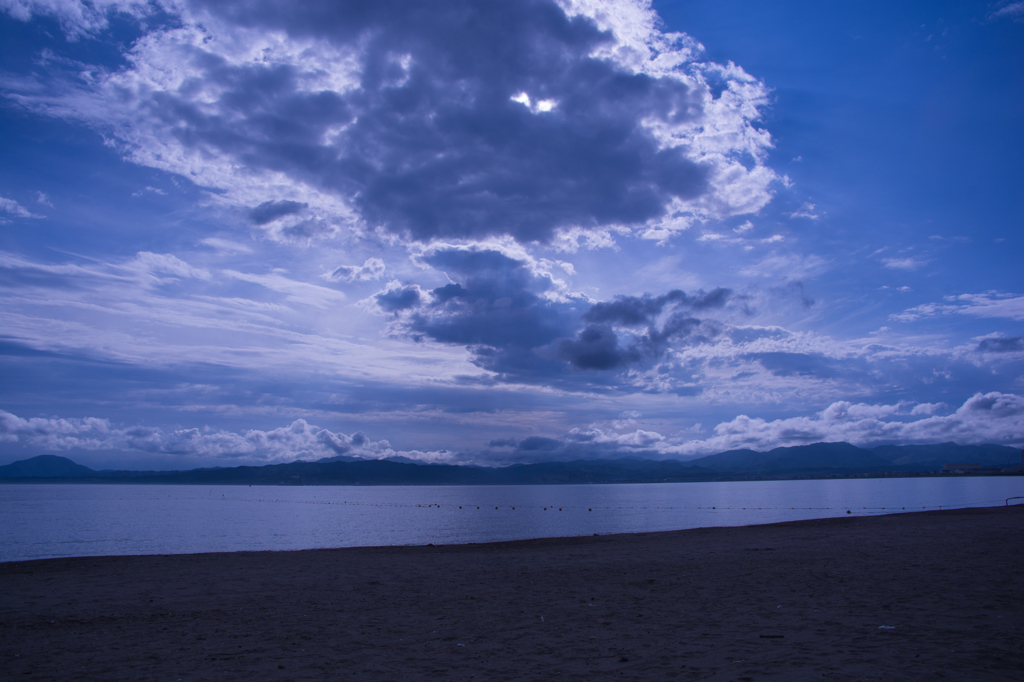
(803, 461)
(934, 456)
(45, 466)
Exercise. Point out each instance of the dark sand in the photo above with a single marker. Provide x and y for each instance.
(795, 601)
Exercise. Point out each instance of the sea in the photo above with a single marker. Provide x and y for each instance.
(39, 521)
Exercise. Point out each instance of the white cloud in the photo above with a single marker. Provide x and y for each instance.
(157, 310)
(983, 418)
(225, 245)
(298, 440)
(43, 199)
(538, 107)
(1014, 10)
(15, 210)
(77, 18)
(991, 304)
(788, 265)
(371, 269)
(805, 211)
(904, 263)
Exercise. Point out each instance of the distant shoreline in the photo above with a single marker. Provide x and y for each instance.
(170, 480)
(818, 461)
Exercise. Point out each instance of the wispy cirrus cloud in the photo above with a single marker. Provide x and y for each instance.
(1009, 10)
(908, 263)
(992, 304)
(806, 210)
(371, 269)
(9, 208)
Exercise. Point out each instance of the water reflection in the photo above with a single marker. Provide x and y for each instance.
(89, 520)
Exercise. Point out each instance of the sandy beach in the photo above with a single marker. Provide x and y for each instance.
(923, 596)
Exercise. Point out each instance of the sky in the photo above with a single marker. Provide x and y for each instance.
(255, 231)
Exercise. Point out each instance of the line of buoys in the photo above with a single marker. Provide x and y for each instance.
(591, 509)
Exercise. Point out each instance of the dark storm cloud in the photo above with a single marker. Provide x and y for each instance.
(1002, 345)
(638, 310)
(597, 346)
(502, 310)
(495, 308)
(270, 211)
(394, 300)
(433, 144)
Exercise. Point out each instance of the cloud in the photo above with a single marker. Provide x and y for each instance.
(499, 307)
(984, 418)
(440, 119)
(788, 266)
(77, 19)
(269, 211)
(904, 263)
(1001, 345)
(1013, 11)
(299, 440)
(992, 304)
(397, 298)
(600, 440)
(15, 210)
(639, 310)
(516, 319)
(805, 211)
(372, 268)
(225, 245)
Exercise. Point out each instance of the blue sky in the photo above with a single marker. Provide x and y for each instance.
(252, 232)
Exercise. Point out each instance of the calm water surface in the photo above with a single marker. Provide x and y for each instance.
(41, 521)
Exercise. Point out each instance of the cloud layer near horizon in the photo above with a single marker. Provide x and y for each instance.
(993, 418)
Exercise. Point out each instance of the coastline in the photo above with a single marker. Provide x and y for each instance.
(931, 595)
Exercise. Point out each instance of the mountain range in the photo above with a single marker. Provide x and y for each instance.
(804, 461)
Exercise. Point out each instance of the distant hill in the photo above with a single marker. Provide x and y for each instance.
(928, 457)
(45, 466)
(819, 458)
(843, 458)
(803, 461)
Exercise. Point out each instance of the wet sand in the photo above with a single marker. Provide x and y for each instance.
(923, 596)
